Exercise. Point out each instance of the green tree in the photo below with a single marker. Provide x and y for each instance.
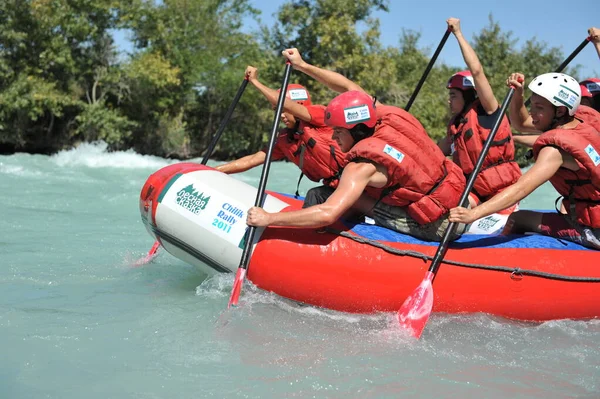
(204, 42)
(61, 81)
(50, 51)
(339, 35)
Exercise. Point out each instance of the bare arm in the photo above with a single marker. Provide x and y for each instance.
(354, 179)
(484, 90)
(594, 34)
(243, 164)
(445, 146)
(298, 110)
(335, 81)
(526, 140)
(519, 118)
(548, 161)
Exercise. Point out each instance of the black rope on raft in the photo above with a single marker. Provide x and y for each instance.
(515, 271)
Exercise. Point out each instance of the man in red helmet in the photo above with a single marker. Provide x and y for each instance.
(474, 110)
(306, 141)
(590, 93)
(567, 155)
(394, 174)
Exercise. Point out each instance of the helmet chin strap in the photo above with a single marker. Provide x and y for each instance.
(555, 121)
(355, 136)
(361, 133)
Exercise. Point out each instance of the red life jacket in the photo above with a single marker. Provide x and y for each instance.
(499, 169)
(313, 150)
(420, 177)
(581, 188)
(589, 115)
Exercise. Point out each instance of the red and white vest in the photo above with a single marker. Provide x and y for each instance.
(589, 115)
(313, 150)
(420, 177)
(499, 169)
(581, 188)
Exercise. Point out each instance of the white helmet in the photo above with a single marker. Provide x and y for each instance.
(560, 89)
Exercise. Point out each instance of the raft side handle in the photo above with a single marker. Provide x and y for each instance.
(516, 275)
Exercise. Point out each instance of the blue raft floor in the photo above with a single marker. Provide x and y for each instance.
(378, 233)
(470, 240)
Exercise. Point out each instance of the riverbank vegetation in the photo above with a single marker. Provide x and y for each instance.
(63, 80)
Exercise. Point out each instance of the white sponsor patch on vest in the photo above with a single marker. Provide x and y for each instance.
(593, 154)
(452, 149)
(357, 114)
(298, 94)
(394, 153)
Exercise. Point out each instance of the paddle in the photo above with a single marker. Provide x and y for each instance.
(209, 151)
(415, 310)
(260, 195)
(224, 122)
(568, 60)
(429, 66)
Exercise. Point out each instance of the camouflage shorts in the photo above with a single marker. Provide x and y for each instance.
(396, 218)
(392, 217)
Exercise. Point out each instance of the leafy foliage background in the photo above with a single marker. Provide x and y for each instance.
(62, 81)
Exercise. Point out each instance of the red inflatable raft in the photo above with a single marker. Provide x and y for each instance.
(198, 215)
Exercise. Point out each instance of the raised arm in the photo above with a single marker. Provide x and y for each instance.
(298, 110)
(594, 34)
(484, 90)
(333, 80)
(520, 119)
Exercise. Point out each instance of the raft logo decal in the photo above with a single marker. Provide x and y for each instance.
(394, 153)
(228, 216)
(593, 154)
(357, 114)
(189, 198)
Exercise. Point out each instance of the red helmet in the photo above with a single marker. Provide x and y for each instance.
(590, 87)
(462, 80)
(298, 93)
(349, 109)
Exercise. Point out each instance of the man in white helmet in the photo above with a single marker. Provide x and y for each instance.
(567, 154)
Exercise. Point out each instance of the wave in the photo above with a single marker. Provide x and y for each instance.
(96, 155)
(18, 170)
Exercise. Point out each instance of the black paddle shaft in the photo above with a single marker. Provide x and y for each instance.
(426, 73)
(217, 136)
(260, 195)
(464, 199)
(567, 60)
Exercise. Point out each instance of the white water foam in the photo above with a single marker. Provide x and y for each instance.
(18, 170)
(96, 155)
